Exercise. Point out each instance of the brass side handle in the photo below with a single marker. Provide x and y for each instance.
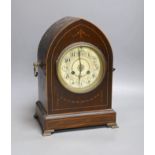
(113, 69)
(35, 68)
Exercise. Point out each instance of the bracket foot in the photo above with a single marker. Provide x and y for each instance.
(47, 132)
(112, 125)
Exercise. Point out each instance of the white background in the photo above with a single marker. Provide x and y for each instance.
(26, 138)
(122, 22)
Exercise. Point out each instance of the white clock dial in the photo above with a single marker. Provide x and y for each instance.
(81, 67)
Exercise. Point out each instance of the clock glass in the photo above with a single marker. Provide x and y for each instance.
(81, 67)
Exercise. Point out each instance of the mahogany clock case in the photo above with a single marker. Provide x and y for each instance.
(57, 108)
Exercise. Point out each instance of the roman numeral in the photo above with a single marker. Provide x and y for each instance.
(73, 54)
(67, 60)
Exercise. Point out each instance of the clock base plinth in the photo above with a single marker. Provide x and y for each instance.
(52, 122)
(44, 132)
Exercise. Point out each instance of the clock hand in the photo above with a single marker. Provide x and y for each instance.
(80, 67)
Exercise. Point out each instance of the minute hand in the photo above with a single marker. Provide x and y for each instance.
(80, 67)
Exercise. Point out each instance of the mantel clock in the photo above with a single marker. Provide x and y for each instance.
(74, 68)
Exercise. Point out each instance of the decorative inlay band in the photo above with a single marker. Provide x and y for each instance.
(80, 34)
(63, 99)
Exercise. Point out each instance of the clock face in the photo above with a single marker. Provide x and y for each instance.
(81, 67)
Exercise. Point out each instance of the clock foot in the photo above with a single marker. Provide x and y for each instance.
(47, 132)
(112, 125)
